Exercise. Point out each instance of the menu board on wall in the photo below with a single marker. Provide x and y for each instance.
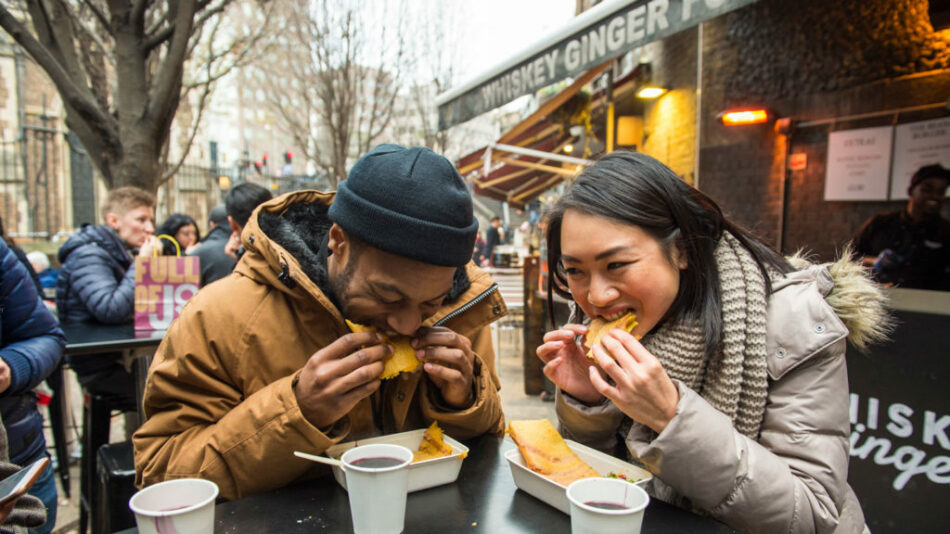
(917, 144)
(859, 162)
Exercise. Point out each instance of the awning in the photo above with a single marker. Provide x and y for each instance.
(528, 159)
(604, 32)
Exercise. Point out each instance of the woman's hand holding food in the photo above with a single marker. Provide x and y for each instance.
(567, 365)
(449, 362)
(642, 388)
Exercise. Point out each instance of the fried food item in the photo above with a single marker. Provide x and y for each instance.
(545, 452)
(403, 359)
(432, 446)
(599, 328)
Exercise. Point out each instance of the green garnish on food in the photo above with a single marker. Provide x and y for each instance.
(623, 476)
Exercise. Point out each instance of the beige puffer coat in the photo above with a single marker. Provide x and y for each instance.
(793, 479)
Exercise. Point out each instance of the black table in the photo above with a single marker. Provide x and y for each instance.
(90, 338)
(483, 499)
(136, 346)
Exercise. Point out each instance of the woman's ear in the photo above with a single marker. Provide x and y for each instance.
(679, 255)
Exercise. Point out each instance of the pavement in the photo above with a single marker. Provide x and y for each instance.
(516, 404)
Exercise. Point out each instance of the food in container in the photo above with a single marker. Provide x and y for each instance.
(545, 452)
(423, 474)
(555, 494)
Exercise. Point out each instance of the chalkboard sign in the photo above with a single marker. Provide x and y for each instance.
(900, 426)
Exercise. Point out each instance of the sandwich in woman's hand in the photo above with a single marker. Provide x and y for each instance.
(599, 328)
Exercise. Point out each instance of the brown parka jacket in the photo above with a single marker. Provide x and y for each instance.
(219, 398)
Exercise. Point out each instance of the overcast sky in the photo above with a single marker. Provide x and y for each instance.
(495, 30)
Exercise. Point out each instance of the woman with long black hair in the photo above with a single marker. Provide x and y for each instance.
(732, 389)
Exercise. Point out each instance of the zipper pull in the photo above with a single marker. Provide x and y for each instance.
(285, 277)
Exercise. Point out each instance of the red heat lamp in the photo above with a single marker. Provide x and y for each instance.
(743, 117)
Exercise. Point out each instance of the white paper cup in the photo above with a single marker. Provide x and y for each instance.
(182, 506)
(590, 516)
(377, 494)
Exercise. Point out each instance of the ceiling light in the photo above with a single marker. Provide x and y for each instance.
(650, 91)
(568, 148)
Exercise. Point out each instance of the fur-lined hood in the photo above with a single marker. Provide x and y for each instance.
(856, 299)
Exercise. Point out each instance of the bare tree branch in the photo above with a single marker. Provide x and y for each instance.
(100, 16)
(158, 38)
(165, 93)
(138, 11)
(78, 96)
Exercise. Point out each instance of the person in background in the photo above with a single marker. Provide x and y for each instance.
(235, 389)
(240, 203)
(215, 262)
(493, 238)
(478, 252)
(46, 274)
(911, 247)
(732, 389)
(31, 347)
(97, 283)
(183, 230)
(20, 255)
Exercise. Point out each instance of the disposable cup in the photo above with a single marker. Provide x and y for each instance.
(182, 506)
(606, 506)
(377, 493)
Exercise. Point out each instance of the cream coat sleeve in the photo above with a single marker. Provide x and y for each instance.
(792, 480)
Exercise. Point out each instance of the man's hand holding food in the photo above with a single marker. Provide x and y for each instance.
(339, 376)
(449, 362)
(348, 370)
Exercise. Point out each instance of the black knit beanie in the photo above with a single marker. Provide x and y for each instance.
(928, 171)
(410, 202)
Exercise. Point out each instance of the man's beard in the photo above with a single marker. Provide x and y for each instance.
(340, 285)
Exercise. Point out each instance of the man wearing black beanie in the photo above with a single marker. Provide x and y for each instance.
(264, 362)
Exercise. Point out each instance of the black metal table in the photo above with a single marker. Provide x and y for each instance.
(90, 338)
(483, 499)
(136, 347)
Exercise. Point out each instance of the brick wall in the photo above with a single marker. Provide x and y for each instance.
(670, 121)
(810, 60)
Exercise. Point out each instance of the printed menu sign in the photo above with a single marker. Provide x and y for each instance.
(859, 162)
(917, 144)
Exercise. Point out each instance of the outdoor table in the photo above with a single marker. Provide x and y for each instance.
(135, 345)
(483, 499)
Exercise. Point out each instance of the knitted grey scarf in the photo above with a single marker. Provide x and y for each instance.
(735, 380)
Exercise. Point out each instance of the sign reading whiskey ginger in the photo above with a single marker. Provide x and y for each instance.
(631, 25)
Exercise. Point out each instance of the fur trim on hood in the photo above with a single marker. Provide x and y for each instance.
(857, 300)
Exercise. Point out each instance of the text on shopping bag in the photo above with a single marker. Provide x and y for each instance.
(163, 285)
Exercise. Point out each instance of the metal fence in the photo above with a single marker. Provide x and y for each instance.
(33, 180)
(48, 187)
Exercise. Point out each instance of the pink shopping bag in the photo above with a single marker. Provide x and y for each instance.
(163, 284)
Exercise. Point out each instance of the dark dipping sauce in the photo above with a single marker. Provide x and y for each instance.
(606, 505)
(377, 462)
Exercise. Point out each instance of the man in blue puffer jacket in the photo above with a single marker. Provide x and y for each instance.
(97, 283)
(31, 346)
